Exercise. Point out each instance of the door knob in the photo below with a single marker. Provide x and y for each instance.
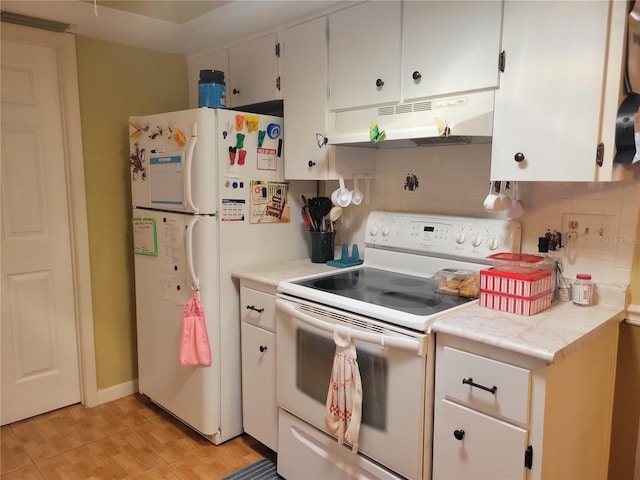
(459, 434)
(236, 91)
(416, 75)
(379, 83)
(263, 349)
(518, 157)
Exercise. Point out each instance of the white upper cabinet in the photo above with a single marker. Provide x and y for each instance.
(450, 47)
(304, 83)
(253, 72)
(559, 91)
(364, 55)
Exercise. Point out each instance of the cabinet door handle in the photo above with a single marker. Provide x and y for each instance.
(251, 307)
(416, 75)
(236, 91)
(518, 157)
(263, 348)
(469, 381)
(311, 164)
(379, 83)
(459, 434)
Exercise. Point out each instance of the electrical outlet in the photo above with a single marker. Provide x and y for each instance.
(592, 230)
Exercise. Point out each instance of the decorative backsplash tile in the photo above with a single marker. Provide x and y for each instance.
(455, 179)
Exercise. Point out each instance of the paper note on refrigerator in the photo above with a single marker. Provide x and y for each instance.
(269, 202)
(166, 177)
(144, 237)
(267, 159)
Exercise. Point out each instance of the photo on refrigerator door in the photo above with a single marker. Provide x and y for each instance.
(269, 202)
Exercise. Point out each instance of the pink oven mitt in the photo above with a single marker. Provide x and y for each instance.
(194, 345)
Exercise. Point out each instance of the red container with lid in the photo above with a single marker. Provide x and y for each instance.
(516, 289)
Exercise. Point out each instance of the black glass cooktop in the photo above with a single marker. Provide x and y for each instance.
(406, 293)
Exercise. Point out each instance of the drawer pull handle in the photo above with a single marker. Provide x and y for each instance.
(459, 434)
(251, 307)
(469, 381)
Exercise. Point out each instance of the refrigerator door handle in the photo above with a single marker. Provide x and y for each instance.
(187, 174)
(188, 249)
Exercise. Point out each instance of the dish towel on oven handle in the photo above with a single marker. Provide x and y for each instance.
(344, 399)
(194, 344)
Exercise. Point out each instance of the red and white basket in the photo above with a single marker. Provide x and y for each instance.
(521, 290)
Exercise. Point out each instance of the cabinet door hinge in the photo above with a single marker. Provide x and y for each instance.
(278, 49)
(600, 154)
(502, 59)
(278, 83)
(528, 457)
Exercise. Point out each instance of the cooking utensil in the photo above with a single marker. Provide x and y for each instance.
(492, 200)
(335, 213)
(342, 196)
(367, 190)
(307, 219)
(324, 207)
(505, 198)
(356, 194)
(516, 208)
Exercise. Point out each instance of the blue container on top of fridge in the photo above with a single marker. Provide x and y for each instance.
(212, 91)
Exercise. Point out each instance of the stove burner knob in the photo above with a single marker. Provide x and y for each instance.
(494, 243)
(373, 230)
(477, 240)
(460, 238)
(385, 230)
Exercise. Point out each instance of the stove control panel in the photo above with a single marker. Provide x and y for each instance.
(442, 235)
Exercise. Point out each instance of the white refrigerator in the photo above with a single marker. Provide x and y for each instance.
(208, 197)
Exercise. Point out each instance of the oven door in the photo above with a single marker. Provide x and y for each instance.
(392, 366)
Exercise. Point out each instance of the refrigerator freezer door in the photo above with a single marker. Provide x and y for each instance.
(166, 266)
(173, 161)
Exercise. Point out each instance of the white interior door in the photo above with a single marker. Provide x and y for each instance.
(40, 361)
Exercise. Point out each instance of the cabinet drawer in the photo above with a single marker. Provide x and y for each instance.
(470, 445)
(464, 375)
(258, 308)
(259, 409)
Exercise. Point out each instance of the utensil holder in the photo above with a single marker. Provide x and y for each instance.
(322, 246)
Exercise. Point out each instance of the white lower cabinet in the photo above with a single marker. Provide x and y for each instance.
(258, 338)
(475, 446)
(499, 414)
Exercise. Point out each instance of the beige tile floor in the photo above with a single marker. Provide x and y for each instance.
(124, 439)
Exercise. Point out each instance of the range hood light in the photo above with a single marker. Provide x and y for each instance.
(468, 117)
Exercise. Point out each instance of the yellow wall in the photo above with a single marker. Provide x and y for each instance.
(116, 81)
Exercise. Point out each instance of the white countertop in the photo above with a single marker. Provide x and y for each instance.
(271, 274)
(550, 335)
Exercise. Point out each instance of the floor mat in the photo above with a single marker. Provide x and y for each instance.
(261, 470)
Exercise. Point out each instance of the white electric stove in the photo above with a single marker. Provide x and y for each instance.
(387, 306)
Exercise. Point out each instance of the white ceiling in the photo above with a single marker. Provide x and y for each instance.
(174, 26)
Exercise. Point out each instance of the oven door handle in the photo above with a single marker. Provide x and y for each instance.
(409, 344)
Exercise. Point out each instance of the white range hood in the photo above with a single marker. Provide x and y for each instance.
(468, 116)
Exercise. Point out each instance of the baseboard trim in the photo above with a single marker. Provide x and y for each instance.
(633, 316)
(117, 391)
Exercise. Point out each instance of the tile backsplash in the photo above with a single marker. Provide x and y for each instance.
(454, 180)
